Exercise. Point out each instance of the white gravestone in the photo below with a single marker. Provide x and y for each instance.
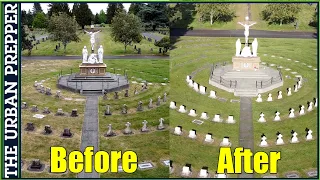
(295, 88)
(309, 135)
(263, 142)
(196, 86)
(192, 113)
(294, 138)
(204, 115)
(203, 89)
(261, 119)
(182, 109)
(289, 92)
(212, 94)
(191, 83)
(291, 114)
(178, 130)
(192, 134)
(315, 100)
(173, 105)
(208, 138)
(309, 106)
(277, 117)
(100, 54)
(225, 142)
(230, 119)
(204, 173)
(301, 112)
(279, 139)
(299, 84)
(221, 176)
(217, 118)
(259, 99)
(186, 171)
(84, 55)
(279, 94)
(269, 97)
(238, 47)
(188, 79)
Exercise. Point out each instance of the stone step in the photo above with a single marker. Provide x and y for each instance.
(246, 92)
(91, 92)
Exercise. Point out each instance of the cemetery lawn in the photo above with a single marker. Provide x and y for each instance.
(37, 146)
(103, 38)
(256, 8)
(194, 56)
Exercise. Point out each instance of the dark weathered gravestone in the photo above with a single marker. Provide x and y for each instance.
(47, 130)
(124, 109)
(57, 47)
(108, 111)
(60, 112)
(158, 101)
(36, 166)
(105, 96)
(48, 91)
(160, 50)
(34, 108)
(140, 108)
(29, 127)
(126, 94)
(116, 96)
(46, 110)
(74, 113)
(24, 105)
(66, 133)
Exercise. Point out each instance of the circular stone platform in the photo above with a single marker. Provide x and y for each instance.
(93, 84)
(245, 83)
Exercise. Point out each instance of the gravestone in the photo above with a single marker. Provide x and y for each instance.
(29, 127)
(110, 132)
(105, 96)
(24, 105)
(107, 111)
(312, 173)
(74, 113)
(292, 175)
(34, 108)
(279, 139)
(58, 94)
(139, 50)
(46, 110)
(263, 142)
(47, 130)
(204, 172)
(144, 127)
(126, 94)
(60, 112)
(165, 97)
(198, 122)
(173, 105)
(217, 118)
(192, 134)
(178, 130)
(261, 119)
(158, 101)
(66, 133)
(182, 109)
(225, 142)
(208, 138)
(294, 138)
(146, 165)
(192, 113)
(259, 99)
(36, 166)
(124, 109)
(128, 129)
(135, 92)
(277, 116)
(116, 96)
(140, 108)
(161, 126)
(150, 104)
(186, 170)
(309, 134)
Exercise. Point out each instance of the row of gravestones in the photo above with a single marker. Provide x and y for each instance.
(199, 88)
(38, 42)
(60, 112)
(151, 49)
(280, 141)
(129, 131)
(126, 94)
(139, 108)
(48, 130)
(208, 139)
(291, 111)
(163, 32)
(204, 172)
(204, 115)
(289, 93)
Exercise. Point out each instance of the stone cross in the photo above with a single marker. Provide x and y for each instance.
(128, 129)
(246, 24)
(161, 126)
(144, 127)
(159, 101)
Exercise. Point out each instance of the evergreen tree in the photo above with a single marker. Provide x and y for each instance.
(112, 10)
(56, 8)
(82, 13)
(36, 8)
(40, 20)
(25, 42)
(135, 8)
(154, 15)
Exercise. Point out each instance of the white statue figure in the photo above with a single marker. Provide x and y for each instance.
(246, 28)
(92, 41)
(246, 52)
(84, 54)
(93, 59)
(254, 47)
(100, 54)
(238, 47)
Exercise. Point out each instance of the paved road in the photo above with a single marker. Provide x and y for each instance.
(90, 132)
(104, 57)
(240, 33)
(246, 130)
(152, 36)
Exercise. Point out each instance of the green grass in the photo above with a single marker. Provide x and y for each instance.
(151, 146)
(103, 38)
(241, 10)
(194, 53)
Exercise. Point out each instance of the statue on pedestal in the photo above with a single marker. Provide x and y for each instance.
(84, 54)
(93, 59)
(100, 54)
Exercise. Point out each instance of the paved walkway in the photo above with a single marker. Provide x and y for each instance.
(147, 57)
(239, 33)
(152, 36)
(90, 131)
(246, 129)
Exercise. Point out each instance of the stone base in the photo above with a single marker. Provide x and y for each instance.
(245, 63)
(92, 69)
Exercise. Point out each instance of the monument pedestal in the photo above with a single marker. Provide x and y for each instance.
(87, 69)
(245, 63)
